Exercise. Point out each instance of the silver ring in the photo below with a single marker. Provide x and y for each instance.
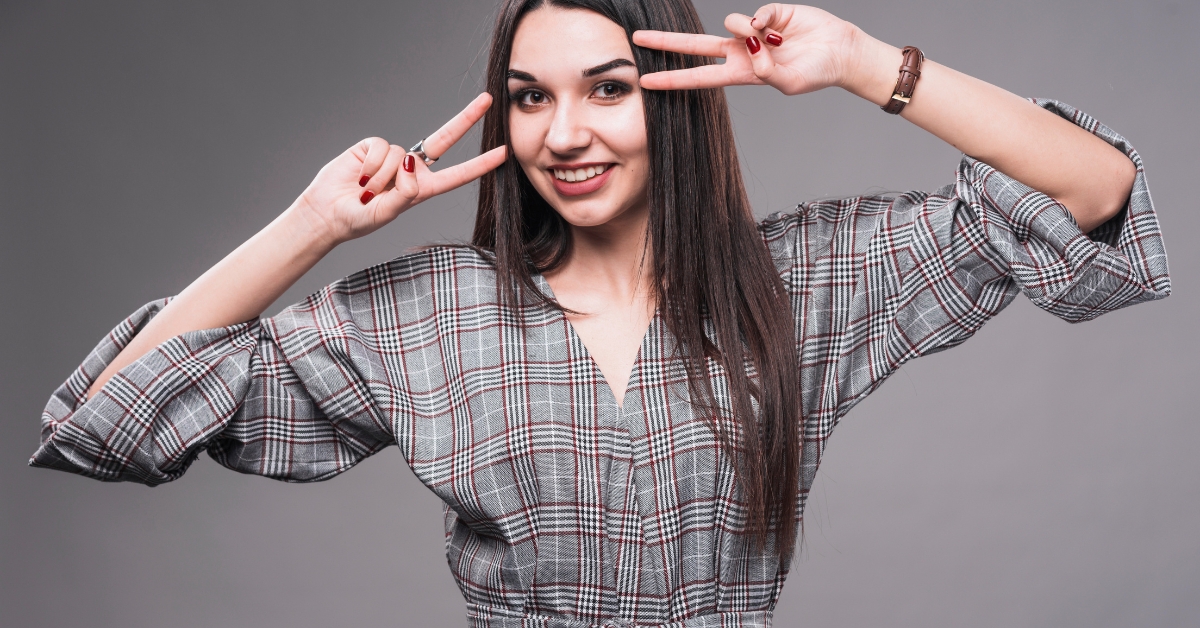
(419, 151)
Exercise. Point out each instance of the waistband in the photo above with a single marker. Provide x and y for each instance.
(491, 617)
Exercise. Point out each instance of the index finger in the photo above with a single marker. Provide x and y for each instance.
(686, 43)
(442, 139)
(443, 181)
(702, 77)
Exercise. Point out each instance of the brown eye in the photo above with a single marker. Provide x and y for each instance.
(528, 98)
(610, 91)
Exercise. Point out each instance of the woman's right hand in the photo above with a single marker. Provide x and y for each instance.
(340, 209)
(333, 209)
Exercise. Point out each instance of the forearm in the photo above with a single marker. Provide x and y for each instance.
(1047, 153)
(238, 288)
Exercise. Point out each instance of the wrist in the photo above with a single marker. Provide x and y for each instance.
(872, 73)
(309, 228)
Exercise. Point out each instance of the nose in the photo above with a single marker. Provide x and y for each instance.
(569, 131)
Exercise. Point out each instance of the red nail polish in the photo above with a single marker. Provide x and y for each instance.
(410, 163)
(773, 39)
(366, 197)
(753, 44)
(362, 183)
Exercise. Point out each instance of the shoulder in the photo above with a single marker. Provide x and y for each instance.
(821, 221)
(429, 269)
(426, 263)
(840, 211)
(412, 287)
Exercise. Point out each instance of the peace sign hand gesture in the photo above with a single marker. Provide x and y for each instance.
(795, 49)
(373, 182)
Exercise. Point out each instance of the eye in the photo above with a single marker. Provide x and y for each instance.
(528, 98)
(610, 90)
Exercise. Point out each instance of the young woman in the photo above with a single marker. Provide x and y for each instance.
(622, 388)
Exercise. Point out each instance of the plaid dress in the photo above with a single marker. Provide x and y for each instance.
(563, 508)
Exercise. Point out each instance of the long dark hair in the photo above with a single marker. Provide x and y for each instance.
(710, 266)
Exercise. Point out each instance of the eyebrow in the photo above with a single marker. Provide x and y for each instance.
(605, 67)
(588, 73)
(521, 76)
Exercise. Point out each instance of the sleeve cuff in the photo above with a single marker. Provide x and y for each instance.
(1073, 275)
(139, 426)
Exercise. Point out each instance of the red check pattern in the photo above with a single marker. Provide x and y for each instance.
(562, 508)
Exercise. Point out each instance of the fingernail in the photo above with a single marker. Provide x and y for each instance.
(773, 39)
(410, 163)
(362, 183)
(366, 197)
(753, 44)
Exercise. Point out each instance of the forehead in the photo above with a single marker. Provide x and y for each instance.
(552, 41)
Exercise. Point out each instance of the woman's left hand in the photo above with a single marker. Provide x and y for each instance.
(799, 49)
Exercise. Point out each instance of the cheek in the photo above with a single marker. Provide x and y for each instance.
(624, 132)
(527, 134)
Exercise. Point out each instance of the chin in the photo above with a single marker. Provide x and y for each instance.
(584, 217)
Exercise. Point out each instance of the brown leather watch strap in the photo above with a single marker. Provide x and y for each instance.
(910, 71)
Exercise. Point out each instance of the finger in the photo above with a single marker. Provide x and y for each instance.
(372, 151)
(383, 178)
(743, 26)
(686, 43)
(406, 190)
(701, 77)
(443, 181)
(762, 62)
(739, 25)
(769, 16)
(442, 139)
(407, 179)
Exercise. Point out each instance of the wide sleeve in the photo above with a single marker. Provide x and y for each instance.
(288, 397)
(877, 281)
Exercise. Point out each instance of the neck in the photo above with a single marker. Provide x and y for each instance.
(612, 262)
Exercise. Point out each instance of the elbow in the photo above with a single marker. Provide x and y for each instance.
(1122, 180)
(1104, 196)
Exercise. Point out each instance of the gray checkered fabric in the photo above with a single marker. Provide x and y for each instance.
(563, 509)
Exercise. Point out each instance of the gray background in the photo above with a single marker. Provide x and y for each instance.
(1041, 475)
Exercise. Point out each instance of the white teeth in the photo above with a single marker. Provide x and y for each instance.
(581, 174)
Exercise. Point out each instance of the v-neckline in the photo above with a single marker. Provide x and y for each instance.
(573, 336)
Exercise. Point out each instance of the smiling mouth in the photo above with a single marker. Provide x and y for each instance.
(579, 174)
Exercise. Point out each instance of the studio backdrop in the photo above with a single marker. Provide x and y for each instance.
(1042, 474)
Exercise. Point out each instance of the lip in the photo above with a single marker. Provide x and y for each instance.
(579, 188)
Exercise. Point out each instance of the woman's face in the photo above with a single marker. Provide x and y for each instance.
(576, 120)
